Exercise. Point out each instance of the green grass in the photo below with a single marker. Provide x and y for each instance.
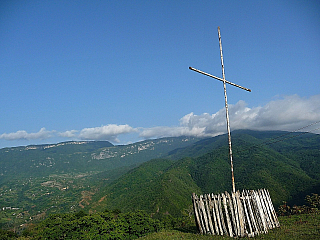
(305, 226)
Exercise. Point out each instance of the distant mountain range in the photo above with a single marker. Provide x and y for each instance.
(40, 179)
(158, 175)
(80, 157)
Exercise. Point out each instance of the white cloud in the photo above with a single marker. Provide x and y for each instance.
(288, 113)
(23, 135)
(108, 132)
(157, 132)
(68, 134)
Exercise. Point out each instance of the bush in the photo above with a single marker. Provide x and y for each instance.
(4, 235)
(104, 225)
(313, 206)
(313, 201)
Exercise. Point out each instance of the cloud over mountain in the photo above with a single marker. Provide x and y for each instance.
(107, 132)
(68, 134)
(22, 134)
(288, 113)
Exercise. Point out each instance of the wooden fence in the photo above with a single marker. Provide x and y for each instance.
(249, 213)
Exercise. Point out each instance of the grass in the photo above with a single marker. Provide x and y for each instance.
(304, 226)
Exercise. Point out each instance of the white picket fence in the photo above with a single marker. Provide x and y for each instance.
(248, 213)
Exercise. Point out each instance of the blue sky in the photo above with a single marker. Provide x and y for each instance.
(118, 70)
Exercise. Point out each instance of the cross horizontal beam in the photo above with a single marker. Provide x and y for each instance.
(220, 79)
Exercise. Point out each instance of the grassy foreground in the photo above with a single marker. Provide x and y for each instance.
(304, 226)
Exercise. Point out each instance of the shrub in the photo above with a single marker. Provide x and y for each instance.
(103, 225)
(4, 234)
(313, 202)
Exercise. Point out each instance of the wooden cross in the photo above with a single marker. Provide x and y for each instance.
(223, 79)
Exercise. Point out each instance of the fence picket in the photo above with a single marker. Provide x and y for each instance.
(224, 200)
(244, 196)
(237, 215)
(207, 205)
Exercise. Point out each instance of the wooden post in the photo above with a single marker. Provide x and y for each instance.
(215, 217)
(221, 215)
(227, 112)
(215, 200)
(196, 212)
(250, 206)
(232, 213)
(261, 213)
(205, 218)
(224, 199)
(207, 205)
(244, 198)
(241, 214)
(236, 213)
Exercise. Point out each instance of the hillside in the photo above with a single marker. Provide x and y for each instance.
(289, 169)
(84, 156)
(38, 180)
(158, 175)
(157, 186)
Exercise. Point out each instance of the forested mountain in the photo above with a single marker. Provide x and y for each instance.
(285, 163)
(84, 156)
(158, 176)
(42, 179)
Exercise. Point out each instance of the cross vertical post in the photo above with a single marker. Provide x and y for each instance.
(223, 79)
(227, 112)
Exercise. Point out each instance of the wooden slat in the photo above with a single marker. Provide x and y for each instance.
(256, 212)
(207, 205)
(244, 197)
(224, 200)
(241, 215)
(237, 215)
(221, 215)
(204, 214)
(273, 212)
(260, 209)
(213, 212)
(196, 212)
(201, 215)
(268, 212)
(234, 227)
(251, 213)
(215, 199)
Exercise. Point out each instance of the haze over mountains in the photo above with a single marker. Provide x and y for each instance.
(158, 175)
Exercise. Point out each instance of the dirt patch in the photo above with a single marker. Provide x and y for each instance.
(101, 199)
(86, 197)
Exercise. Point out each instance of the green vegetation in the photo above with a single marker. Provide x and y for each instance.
(160, 187)
(305, 226)
(36, 181)
(132, 225)
(313, 206)
(163, 187)
(103, 225)
(65, 178)
(81, 157)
